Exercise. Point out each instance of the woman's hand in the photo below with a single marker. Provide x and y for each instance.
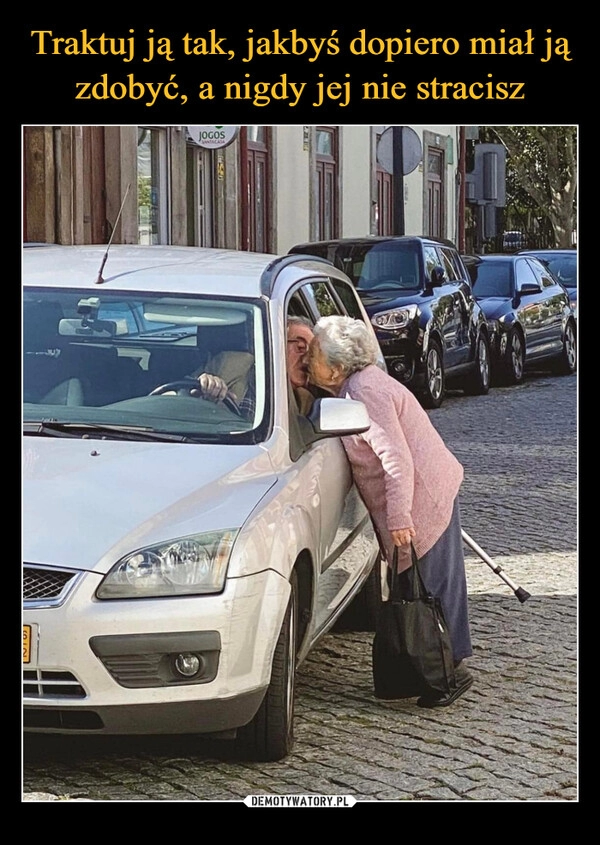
(403, 536)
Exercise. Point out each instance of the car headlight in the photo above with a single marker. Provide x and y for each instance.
(183, 567)
(395, 318)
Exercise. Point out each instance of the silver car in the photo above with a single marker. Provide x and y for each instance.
(181, 556)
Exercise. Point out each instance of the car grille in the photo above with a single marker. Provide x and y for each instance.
(40, 683)
(47, 586)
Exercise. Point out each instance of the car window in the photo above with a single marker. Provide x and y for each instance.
(492, 278)
(321, 299)
(461, 270)
(348, 298)
(448, 264)
(545, 278)
(565, 270)
(524, 274)
(96, 360)
(432, 259)
(390, 265)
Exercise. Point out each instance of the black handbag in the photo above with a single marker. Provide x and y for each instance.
(412, 651)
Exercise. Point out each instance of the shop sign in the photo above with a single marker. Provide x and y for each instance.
(213, 137)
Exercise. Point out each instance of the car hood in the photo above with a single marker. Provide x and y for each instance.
(494, 306)
(86, 503)
(374, 302)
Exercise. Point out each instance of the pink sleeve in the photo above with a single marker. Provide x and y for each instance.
(387, 440)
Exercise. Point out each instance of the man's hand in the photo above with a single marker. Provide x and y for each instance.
(212, 388)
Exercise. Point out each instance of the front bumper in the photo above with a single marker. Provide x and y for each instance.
(403, 353)
(111, 666)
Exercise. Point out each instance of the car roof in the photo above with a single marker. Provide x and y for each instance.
(572, 252)
(491, 256)
(159, 269)
(375, 239)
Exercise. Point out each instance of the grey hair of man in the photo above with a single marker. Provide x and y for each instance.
(299, 321)
(346, 343)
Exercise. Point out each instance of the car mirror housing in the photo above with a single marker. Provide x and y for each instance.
(337, 418)
(437, 276)
(529, 287)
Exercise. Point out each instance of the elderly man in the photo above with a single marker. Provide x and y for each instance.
(299, 336)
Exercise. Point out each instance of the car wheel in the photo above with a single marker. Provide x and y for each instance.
(363, 611)
(514, 362)
(566, 363)
(270, 734)
(432, 394)
(478, 382)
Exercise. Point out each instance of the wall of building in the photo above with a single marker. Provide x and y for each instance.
(75, 179)
(291, 184)
(356, 181)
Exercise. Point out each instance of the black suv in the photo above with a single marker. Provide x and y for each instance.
(418, 296)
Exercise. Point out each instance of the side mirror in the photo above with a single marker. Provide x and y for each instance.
(337, 418)
(438, 277)
(529, 287)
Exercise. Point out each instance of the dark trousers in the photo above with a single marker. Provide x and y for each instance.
(443, 573)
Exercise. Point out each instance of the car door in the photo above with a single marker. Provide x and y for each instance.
(345, 541)
(444, 306)
(553, 302)
(463, 304)
(529, 307)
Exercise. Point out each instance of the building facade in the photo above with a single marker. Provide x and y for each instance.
(267, 189)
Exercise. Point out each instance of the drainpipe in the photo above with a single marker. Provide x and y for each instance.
(462, 185)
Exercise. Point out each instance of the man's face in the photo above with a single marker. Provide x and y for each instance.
(298, 339)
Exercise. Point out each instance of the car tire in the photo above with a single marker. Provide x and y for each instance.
(270, 734)
(432, 394)
(363, 612)
(566, 364)
(514, 360)
(478, 382)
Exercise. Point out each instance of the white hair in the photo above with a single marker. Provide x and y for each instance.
(346, 343)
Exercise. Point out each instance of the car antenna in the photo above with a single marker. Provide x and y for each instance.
(100, 279)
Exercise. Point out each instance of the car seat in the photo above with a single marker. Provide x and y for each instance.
(227, 356)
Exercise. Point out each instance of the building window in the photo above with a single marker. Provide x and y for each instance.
(437, 154)
(199, 195)
(385, 202)
(152, 190)
(327, 181)
(256, 141)
(435, 192)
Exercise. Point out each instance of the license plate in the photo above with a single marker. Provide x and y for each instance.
(26, 643)
(29, 644)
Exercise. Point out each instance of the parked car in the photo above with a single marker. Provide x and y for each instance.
(512, 241)
(181, 557)
(418, 296)
(563, 264)
(531, 320)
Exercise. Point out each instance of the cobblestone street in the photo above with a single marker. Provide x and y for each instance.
(512, 737)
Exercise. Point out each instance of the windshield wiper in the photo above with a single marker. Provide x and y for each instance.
(53, 428)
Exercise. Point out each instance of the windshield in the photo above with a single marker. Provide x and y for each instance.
(384, 266)
(493, 278)
(126, 362)
(564, 267)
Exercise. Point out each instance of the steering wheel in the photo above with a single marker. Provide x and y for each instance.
(184, 387)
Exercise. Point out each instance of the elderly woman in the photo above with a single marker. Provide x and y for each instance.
(407, 477)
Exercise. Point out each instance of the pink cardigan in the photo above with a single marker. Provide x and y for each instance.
(406, 475)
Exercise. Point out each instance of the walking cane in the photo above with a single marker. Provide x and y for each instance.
(519, 592)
